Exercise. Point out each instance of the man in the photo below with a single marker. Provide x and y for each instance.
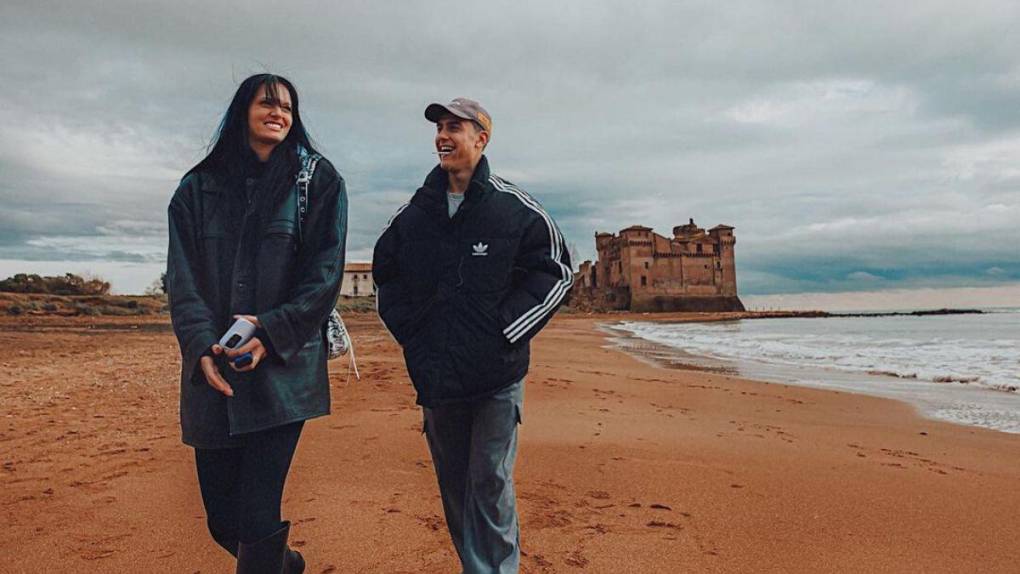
(467, 273)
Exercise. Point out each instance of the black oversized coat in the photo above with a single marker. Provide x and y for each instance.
(222, 263)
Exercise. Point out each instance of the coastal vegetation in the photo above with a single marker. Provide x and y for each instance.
(66, 284)
(72, 295)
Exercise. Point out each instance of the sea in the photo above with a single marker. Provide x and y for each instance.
(959, 368)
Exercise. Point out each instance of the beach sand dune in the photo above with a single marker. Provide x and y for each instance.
(623, 467)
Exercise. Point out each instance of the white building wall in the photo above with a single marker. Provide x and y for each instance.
(357, 284)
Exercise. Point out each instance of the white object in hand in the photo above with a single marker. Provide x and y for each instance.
(238, 334)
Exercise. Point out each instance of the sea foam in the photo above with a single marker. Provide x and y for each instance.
(934, 362)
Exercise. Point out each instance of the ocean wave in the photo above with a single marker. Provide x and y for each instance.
(944, 366)
(946, 358)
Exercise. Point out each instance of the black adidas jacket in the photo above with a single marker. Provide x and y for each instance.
(464, 296)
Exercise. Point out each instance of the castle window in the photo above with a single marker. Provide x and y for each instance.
(646, 265)
(644, 281)
(699, 248)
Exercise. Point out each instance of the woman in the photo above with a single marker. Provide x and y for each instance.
(242, 246)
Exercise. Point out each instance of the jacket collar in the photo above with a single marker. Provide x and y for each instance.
(431, 197)
(437, 180)
(212, 184)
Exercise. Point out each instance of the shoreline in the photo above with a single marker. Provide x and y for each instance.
(622, 467)
(940, 400)
(712, 316)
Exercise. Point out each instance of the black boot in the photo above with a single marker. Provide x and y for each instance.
(267, 556)
(294, 563)
(227, 540)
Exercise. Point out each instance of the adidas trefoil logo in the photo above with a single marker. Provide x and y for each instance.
(479, 249)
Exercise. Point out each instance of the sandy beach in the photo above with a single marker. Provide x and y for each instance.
(623, 467)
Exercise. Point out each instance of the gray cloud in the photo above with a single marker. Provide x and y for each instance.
(861, 145)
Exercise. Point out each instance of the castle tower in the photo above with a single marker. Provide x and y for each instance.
(602, 272)
(687, 231)
(636, 257)
(723, 234)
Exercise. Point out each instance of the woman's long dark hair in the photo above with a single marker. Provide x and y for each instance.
(231, 156)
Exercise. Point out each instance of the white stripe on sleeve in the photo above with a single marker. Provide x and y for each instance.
(533, 316)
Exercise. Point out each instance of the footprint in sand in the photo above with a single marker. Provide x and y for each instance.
(576, 558)
(597, 528)
(432, 522)
(539, 560)
(661, 524)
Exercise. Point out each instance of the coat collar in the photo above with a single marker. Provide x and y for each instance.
(431, 197)
(212, 184)
(437, 181)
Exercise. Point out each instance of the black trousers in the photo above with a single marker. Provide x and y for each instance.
(242, 488)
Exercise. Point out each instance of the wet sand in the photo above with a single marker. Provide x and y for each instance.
(623, 467)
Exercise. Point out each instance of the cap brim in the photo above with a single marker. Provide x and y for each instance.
(435, 111)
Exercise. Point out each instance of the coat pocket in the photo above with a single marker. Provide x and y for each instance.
(480, 314)
(280, 233)
(285, 227)
(419, 365)
(277, 246)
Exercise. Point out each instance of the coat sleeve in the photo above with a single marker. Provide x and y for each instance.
(547, 278)
(319, 271)
(392, 303)
(190, 314)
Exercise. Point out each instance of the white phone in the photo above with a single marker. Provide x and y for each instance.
(238, 334)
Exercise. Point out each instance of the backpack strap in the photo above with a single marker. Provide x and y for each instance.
(304, 179)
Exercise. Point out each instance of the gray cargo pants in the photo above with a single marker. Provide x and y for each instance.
(474, 446)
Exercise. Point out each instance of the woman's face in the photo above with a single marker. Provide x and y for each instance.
(269, 121)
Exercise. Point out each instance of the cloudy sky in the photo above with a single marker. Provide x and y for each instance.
(853, 145)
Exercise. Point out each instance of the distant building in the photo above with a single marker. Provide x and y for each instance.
(641, 270)
(357, 280)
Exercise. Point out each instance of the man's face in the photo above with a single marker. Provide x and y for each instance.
(459, 142)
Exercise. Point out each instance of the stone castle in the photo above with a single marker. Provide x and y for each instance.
(641, 270)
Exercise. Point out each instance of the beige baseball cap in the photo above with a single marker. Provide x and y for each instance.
(463, 108)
